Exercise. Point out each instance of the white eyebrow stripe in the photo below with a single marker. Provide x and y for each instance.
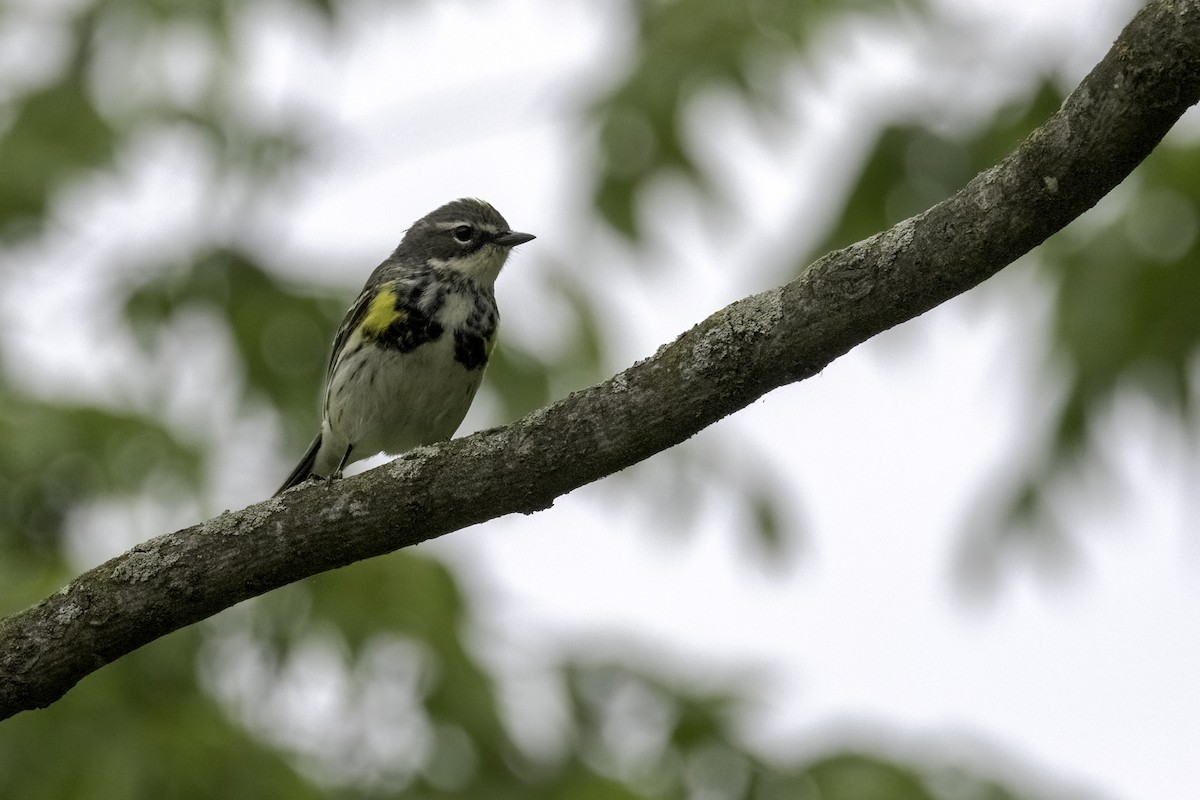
(486, 227)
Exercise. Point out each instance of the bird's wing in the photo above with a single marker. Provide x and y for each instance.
(354, 316)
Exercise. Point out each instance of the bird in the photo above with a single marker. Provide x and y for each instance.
(410, 353)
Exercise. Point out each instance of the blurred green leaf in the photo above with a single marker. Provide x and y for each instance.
(139, 728)
(55, 134)
(404, 595)
(281, 335)
(523, 380)
(520, 381)
(856, 777)
(1124, 323)
(1125, 315)
(683, 49)
(1128, 293)
(768, 520)
(58, 454)
(401, 594)
(325, 7)
(912, 168)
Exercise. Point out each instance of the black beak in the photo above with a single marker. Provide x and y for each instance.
(512, 238)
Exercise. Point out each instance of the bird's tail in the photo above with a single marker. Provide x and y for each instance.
(303, 470)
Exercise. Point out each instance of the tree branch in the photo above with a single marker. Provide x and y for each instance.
(1105, 128)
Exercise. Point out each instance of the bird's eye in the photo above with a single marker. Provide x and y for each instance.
(464, 233)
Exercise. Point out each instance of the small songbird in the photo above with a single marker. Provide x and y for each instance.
(409, 355)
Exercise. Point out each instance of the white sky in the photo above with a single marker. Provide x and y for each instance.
(1087, 682)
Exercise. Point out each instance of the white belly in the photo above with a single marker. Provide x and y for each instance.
(414, 398)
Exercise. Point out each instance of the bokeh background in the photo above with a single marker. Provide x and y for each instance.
(960, 563)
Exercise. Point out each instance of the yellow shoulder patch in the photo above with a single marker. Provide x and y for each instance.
(382, 312)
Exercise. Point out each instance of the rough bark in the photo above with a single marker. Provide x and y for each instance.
(1106, 127)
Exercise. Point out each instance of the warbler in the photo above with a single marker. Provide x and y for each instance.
(410, 353)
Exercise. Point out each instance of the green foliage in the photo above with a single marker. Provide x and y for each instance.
(519, 380)
(684, 49)
(56, 453)
(523, 381)
(854, 776)
(1124, 325)
(1128, 293)
(417, 599)
(911, 168)
(281, 335)
(140, 729)
(55, 135)
(150, 726)
(1125, 316)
